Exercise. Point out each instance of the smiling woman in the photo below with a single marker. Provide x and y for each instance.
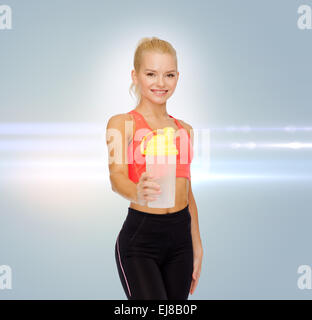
(164, 70)
(158, 251)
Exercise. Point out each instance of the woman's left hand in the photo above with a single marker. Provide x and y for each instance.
(196, 270)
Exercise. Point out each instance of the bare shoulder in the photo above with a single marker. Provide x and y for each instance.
(117, 121)
(189, 129)
(186, 125)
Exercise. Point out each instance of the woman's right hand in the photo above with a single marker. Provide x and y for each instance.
(147, 189)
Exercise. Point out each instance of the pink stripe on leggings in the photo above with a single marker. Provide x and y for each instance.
(121, 265)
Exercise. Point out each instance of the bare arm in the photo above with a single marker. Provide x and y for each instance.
(196, 239)
(117, 143)
(197, 244)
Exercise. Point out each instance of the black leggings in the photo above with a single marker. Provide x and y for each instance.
(154, 255)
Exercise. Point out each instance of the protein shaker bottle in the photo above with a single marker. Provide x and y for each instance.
(161, 163)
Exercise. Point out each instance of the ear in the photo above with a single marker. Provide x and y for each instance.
(134, 77)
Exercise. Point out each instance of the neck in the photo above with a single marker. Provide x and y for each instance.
(153, 110)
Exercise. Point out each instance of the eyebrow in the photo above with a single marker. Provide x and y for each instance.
(156, 71)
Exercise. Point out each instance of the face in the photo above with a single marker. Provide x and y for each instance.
(157, 78)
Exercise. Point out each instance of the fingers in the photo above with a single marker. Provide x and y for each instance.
(146, 176)
(151, 185)
(195, 279)
(195, 284)
(150, 198)
(149, 189)
(148, 185)
(192, 287)
(150, 194)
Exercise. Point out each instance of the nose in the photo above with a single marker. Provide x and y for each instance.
(160, 81)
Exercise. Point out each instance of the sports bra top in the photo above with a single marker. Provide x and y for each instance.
(136, 160)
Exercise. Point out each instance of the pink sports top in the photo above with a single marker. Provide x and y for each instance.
(136, 160)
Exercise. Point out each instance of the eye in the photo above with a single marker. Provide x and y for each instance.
(171, 75)
(150, 74)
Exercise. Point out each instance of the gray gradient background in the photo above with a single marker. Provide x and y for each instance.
(65, 69)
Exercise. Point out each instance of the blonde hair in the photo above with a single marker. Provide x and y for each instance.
(149, 44)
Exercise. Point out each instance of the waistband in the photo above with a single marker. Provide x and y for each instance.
(164, 216)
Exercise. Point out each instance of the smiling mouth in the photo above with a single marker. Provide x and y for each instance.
(159, 92)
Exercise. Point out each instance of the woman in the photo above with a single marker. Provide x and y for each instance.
(158, 250)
